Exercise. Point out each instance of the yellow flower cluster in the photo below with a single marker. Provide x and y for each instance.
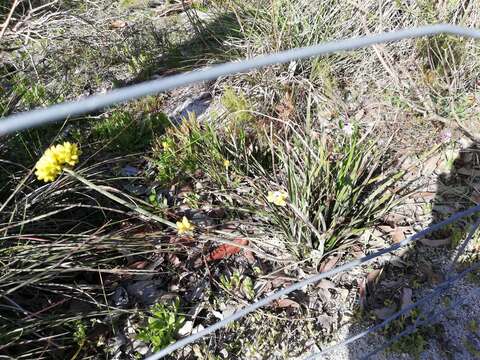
(278, 198)
(54, 159)
(184, 226)
(166, 146)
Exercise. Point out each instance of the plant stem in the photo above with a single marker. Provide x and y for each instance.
(119, 200)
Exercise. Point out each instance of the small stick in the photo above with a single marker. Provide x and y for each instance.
(9, 17)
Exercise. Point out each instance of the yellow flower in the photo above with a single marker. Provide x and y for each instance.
(48, 167)
(226, 163)
(184, 226)
(278, 198)
(166, 145)
(54, 159)
(67, 153)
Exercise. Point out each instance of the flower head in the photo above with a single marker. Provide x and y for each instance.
(226, 163)
(278, 198)
(348, 130)
(166, 145)
(54, 159)
(67, 153)
(184, 226)
(445, 135)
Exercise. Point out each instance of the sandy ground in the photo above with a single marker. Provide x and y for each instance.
(460, 339)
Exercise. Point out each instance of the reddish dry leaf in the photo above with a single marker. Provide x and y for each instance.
(174, 260)
(398, 235)
(329, 264)
(373, 277)
(181, 240)
(286, 303)
(226, 250)
(425, 195)
(362, 294)
(118, 24)
(138, 265)
(249, 256)
(475, 198)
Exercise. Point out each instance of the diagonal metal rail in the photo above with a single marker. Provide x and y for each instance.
(313, 279)
(437, 291)
(72, 109)
(431, 318)
(97, 102)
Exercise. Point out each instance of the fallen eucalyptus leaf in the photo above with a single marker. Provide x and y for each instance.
(436, 242)
(406, 298)
(285, 303)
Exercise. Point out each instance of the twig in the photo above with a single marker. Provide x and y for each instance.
(9, 17)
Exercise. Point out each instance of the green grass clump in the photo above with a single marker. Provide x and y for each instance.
(127, 134)
(237, 105)
(471, 348)
(237, 282)
(337, 188)
(180, 152)
(183, 150)
(414, 343)
(162, 326)
(207, 146)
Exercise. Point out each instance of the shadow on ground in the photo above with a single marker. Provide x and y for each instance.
(411, 275)
(206, 45)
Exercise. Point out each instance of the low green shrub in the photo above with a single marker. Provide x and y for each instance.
(162, 326)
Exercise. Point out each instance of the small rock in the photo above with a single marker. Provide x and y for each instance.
(136, 189)
(325, 322)
(197, 329)
(140, 347)
(417, 227)
(343, 293)
(115, 346)
(129, 171)
(146, 292)
(196, 106)
(120, 297)
(202, 219)
(406, 298)
(197, 291)
(324, 295)
(154, 3)
(224, 353)
(326, 284)
(186, 329)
